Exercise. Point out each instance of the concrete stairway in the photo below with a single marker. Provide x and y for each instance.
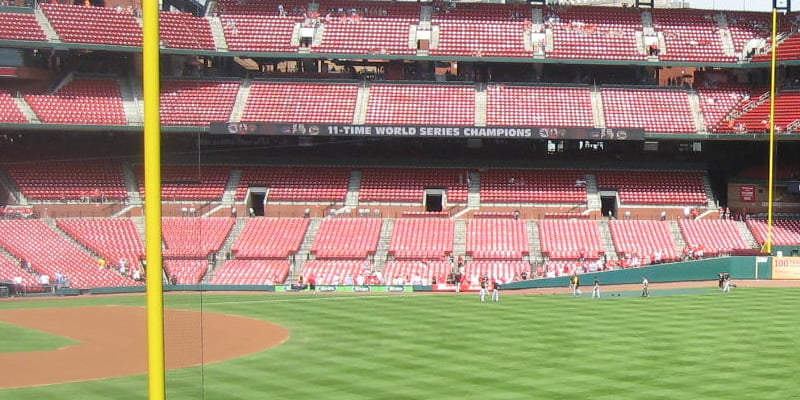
(608, 240)
(360, 116)
(460, 238)
(382, 253)
(534, 243)
(353, 188)
(598, 113)
(131, 104)
(481, 100)
(474, 190)
(218, 34)
(677, 235)
(747, 235)
(48, 29)
(241, 101)
(697, 113)
(27, 110)
(305, 248)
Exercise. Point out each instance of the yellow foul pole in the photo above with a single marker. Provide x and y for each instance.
(772, 93)
(152, 185)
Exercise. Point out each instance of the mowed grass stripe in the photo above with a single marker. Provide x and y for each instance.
(15, 339)
(707, 345)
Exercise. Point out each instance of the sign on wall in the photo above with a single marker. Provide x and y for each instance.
(297, 129)
(786, 268)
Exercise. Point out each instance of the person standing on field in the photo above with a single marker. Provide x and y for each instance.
(495, 291)
(596, 289)
(645, 287)
(483, 282)
(726, 284)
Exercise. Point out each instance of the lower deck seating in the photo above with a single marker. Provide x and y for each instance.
(422, 238)
(334, 272)
(784, 232)
(270, 238)
(497, 239)
(570, 239)
(413, 270)
(648, 239)
(185, 271)
(50, 252)
(194, 237)
(251, 272)
(504, 271)
(347, 238)
(715, 235)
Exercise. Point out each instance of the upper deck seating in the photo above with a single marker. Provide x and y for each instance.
(81, 102)
(93, 25)
(93, 180)
(388, 35)
(197, 103)
(428, 105)
(409, 184)
(481, 30)
(509, 105)
(756, 120)
(301, 102)
(300, 184)
(189, 182)
(9, 111)
(655, 187)
(533, 186)
(690, 35)
(603, 33)
(654, 110)
(717, 103)
(181, 30)
(260, 33)
(18, 26)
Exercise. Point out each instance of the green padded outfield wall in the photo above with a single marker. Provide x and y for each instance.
(700, 270)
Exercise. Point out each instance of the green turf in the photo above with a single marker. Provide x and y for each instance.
(702, 345)
(15, 338)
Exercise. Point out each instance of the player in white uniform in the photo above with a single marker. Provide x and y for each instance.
(645, 287)
(495, 291)
(726, 284)
(596, 289)
(483, 282)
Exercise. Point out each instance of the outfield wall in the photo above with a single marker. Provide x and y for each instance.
(739, 267)
(700, 270)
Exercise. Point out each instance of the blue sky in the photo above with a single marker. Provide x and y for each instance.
(749, 5)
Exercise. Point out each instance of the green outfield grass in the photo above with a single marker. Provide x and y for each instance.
(703, 345)
(15, 338)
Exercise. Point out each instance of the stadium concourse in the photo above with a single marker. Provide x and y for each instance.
(519, 141)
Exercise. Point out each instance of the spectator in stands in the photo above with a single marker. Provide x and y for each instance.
(101, 263)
